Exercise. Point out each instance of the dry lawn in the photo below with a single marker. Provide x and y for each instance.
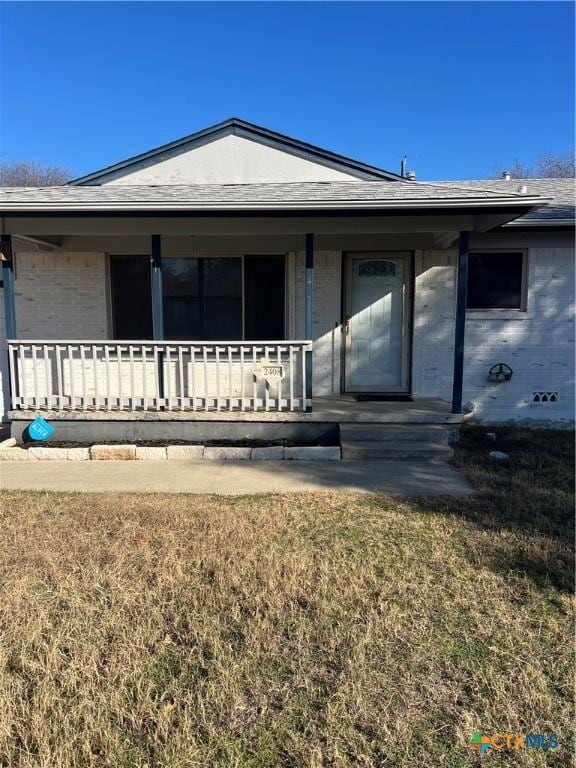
(304, 630)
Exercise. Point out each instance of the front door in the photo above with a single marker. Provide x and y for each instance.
(376, 322)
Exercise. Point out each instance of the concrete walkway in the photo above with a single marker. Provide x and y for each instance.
(405, 478)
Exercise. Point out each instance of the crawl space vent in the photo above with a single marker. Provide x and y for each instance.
(545, 397)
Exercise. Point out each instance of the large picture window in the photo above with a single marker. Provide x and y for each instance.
(205, 298)
(496, 280)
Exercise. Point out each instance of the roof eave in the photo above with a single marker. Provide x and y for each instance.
(525, 202)
(541, 223)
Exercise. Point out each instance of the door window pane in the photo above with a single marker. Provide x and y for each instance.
(368, 268)
(131, 297)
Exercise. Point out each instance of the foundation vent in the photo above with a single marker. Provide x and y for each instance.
(547, 398)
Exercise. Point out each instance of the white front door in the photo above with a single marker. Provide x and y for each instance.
(376, 322)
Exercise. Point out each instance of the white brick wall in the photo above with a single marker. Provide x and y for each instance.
(433, 337)
(538, 344)
(326, 317)
(61, 295)
(64, 295)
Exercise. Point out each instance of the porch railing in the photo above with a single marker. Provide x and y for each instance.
(160, 376)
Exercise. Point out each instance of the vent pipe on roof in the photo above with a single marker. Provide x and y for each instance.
(523, 189)
(409, 175)
(506, 175)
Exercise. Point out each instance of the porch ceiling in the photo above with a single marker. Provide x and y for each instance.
(228, 245)
(339, 223)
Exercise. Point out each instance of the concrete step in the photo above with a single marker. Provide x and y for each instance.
(361, 450)
(393, 432)
(363, 442)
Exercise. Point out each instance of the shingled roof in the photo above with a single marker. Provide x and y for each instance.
(546, 202)
(280, 196)
(560, 211)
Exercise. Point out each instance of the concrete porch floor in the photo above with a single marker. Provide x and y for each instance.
(422, 410)
(326, 409)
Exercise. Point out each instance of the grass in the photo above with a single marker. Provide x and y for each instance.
(297, 630)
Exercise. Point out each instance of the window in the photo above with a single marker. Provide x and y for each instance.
(496, 280)
(131, 297)
(376, 268)
(202, 298)
(264, 297)
(205, 299)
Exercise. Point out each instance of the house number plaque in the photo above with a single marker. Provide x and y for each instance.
(272, 372)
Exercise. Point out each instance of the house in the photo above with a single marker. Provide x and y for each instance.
(241, 277)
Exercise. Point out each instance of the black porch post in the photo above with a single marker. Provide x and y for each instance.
(157, 306)
(309, 286)
(157, 297)
(8, 279)
(460, 326)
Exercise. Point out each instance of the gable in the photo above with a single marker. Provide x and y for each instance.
(232, 160)
(235, 152)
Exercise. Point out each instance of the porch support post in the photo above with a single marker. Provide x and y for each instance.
(157, 308)
(8, 279)
(460, 326)
(157, 296)
(309, 287)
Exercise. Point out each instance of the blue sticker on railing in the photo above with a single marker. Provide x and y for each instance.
(39, 429)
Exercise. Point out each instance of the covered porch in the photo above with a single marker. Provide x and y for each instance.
(300, 375)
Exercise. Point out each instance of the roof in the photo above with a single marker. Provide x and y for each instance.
(546, 202)
(235, 126)
(560, 211)
(338, 195)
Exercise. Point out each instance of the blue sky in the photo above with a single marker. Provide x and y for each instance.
(460, 87)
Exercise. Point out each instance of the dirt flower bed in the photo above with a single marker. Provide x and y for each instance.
(163, 443)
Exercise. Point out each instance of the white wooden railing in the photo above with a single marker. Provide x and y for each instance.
(160, 376)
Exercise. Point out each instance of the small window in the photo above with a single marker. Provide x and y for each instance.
(495, 280)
